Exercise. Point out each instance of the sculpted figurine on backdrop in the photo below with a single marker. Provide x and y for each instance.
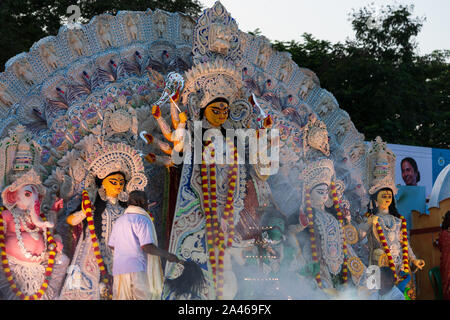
(33, 263)
(385, 227)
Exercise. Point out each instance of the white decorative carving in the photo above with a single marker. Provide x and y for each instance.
(357, 151)
(160, 22)
(285, 70)
(104, 31)
(131, 27)
(23, 71)
(264, 53)
(216, 34)
(5, 98)
(326, 107)
(187, 29)
(213, 80)
(48, 53)
(74, 37)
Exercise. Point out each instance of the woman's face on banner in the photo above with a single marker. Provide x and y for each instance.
(408, 174)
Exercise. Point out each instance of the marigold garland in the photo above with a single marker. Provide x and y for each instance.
(312, 236)
(405, 256)
(214, 233)
(87, 209)
(209, 223)
(341, 221)
(7, 269)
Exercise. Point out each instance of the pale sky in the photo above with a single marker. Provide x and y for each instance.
(286, 20)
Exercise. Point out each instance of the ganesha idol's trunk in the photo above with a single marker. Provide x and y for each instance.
(35, 215)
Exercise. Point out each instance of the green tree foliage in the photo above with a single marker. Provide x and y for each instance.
(23, 22)
(379, 79)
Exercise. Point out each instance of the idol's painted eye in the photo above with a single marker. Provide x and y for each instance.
(27, 194)
(322, 191)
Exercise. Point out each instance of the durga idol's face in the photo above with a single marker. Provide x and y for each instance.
(113, 185)
(217, 113)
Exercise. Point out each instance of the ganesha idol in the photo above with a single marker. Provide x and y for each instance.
(33, 263)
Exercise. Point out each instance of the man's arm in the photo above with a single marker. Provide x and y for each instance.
(154, 250)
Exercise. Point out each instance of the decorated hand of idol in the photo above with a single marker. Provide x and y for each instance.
(59, 244)
(57, 205)
(373, 219)
(76, 218)
(303, 219)
(419, 263)
(347, 215)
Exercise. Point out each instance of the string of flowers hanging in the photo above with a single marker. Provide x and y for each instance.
(86, 206)
(387, 251)
(312, 235)
(207, 209)
(341, 221)
(214, 233)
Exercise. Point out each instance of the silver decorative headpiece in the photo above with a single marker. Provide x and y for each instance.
(118, 157)
(317, 172)
(380, 167)
(213, 80)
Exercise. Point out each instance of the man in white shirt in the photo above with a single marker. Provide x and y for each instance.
(136, 266)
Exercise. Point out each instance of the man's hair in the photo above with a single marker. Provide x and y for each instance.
(413, 164)
(138, 198)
